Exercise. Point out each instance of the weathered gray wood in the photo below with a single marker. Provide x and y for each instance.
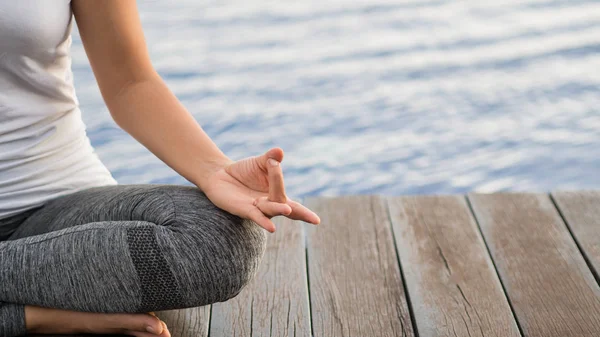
(551, 289)
(192, 322)
(275, 303)
(582, 213)
(453, 286)
(354, 277)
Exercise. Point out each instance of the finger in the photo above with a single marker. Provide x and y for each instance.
(300, 212)
(271, 209)
(275, 153)
(257, 216)
(276, 186)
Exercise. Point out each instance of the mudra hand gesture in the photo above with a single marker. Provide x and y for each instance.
(253, 188)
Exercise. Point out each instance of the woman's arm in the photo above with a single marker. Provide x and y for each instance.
(143, 106)
(136, 96)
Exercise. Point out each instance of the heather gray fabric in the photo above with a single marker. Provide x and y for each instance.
(125, 248)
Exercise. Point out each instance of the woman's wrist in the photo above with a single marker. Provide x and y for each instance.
(208, 168)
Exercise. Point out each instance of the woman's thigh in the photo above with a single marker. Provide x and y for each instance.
(126, 202)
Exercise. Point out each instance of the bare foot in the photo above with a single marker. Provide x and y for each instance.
(55, 321)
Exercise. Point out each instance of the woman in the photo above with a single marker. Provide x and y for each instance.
(80, 253)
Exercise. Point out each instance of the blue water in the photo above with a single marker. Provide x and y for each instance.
(377, 96)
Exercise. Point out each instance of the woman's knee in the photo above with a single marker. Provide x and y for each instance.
(218, 253)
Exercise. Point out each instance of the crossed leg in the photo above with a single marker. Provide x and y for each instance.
(126, 249)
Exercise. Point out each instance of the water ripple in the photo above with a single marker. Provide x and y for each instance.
(377, 96)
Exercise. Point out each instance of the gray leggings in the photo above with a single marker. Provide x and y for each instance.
(124, 248)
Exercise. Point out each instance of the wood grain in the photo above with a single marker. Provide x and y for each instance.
(551, 289)
(453, 286)
(354, 277)
(582, 213)
(191, 322)
(275, 303)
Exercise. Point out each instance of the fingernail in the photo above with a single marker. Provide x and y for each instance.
(273, 162)
(150, 329)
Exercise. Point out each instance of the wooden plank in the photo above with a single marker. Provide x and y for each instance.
(547, 281)
(275, 303)
(191, 322)
(453, 287)
(354, 278)
(582, 213)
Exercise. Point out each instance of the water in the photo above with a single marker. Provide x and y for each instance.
(377, 96)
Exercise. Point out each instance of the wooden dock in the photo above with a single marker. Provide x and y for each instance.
(479, 265)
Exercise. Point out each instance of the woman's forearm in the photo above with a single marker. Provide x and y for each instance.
(138, 99)
(151, 113)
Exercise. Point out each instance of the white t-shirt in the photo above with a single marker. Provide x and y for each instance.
(44, 149)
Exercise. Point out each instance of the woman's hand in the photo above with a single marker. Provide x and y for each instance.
(253, 188)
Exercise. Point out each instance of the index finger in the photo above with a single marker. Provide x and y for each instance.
(276, 186)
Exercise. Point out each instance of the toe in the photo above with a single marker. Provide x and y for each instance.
(164, 332)
(145, 323)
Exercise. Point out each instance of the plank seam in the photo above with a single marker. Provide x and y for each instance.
(210, 316)
(252, 316)
(310, 313)
(485, 243)
(406, 294)
(588, 262)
